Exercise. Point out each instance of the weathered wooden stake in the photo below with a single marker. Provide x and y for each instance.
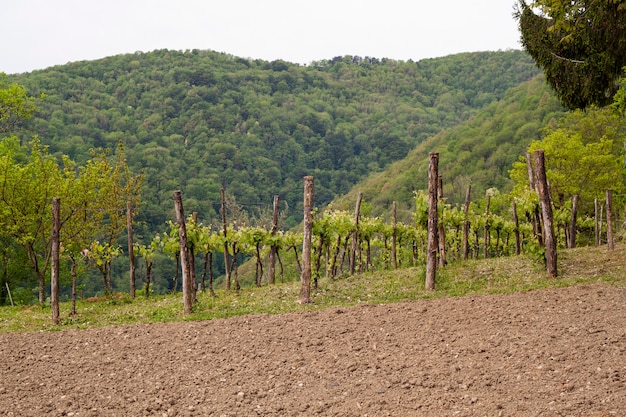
(131, 251)
(355, 234)
(6, 283)
(148, 278)
(596, 216)
(55, 251)
(226, 257)
(192, 263)
(431, 260)
(466, 223)
(184, 251)
(486, 232)
(609, 219)
(518, 242)
(394, 237)
(305, 277)
(536, 218)
(271, 270)
(546, 209)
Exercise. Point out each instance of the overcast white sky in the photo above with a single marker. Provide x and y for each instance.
(36, 34)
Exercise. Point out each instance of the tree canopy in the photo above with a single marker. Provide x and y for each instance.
(584, 157)
(200, 120)
(479, 152)
(92, 202)
(92, 196)
(580, 45)
(15, 104)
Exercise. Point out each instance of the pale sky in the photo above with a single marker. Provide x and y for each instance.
(36, 34)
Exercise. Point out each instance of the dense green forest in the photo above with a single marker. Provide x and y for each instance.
(199, 120)
(480, 152)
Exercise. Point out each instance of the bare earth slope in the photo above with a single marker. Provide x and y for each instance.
(541, 353)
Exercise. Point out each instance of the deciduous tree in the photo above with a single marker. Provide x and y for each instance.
(15, 104)
(575, 168)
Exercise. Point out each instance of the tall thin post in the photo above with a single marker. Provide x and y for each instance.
(431, 260)
(226, 257)
(355, 234)
(596, 206)
(184, 252)
(466, 223)
(394, 224)
(54, 275)
(518, 241)
(546, 209)
(536, 218)
(486, 232)
(6, 283)
(305, 277)
(271, 270)
(131, 251)
(609, 219)
(192, 262)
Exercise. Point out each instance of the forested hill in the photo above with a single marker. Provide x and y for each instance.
(201, 120)
(480, 152)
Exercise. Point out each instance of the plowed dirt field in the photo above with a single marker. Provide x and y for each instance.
(558, 352)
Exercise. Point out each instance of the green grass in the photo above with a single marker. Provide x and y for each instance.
(499, 275)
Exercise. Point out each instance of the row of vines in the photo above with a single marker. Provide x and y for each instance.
(496, 225)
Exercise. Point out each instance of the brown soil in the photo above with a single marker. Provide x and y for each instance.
(541, 353)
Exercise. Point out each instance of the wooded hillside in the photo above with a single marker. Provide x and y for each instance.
(480, 152)
(200, 120)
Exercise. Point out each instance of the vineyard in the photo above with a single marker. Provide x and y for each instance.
(344, 242)
(242, 250)
(201, 252)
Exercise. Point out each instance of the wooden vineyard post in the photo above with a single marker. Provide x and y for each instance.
(305, 277)
(131, 251)
(609, 219)
(431, 260)
(441, 232)
(192, 262)
(6, 283)
(546, 209)
(226, 257)
(466, 223)
(394, 237)
(184, 252)
(598, 221)
(355, 234)
(518, 243)
(486, 232)
(536, 219)
(271, 272)
(54, 275)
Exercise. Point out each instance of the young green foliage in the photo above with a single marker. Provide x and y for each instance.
(15, 105)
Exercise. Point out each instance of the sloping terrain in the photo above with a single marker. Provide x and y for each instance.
(480, 152)
(557, 352)
(254, 127)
